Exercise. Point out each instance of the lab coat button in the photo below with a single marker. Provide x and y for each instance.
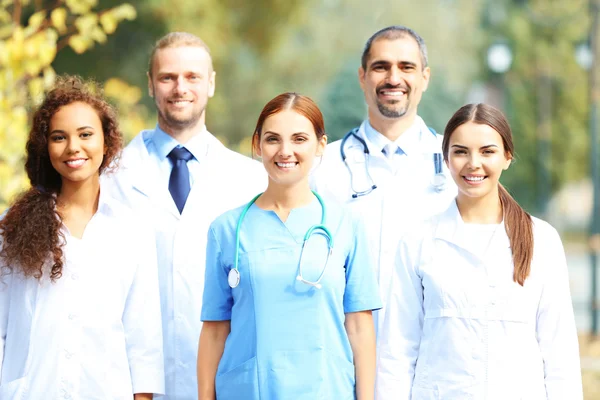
(72, 316)
(74, 277)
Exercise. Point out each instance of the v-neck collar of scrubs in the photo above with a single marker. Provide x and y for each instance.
(299, 220)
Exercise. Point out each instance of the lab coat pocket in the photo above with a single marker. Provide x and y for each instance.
(239, 382)
(14, 390)
(419, 393)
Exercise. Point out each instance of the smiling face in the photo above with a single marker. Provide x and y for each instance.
(394, 79)
(288, 146)
(476, 159)
(182, 81)
(76, 143)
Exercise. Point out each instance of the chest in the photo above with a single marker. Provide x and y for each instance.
(457, 282)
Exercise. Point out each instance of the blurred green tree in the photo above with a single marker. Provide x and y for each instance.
(547, 96)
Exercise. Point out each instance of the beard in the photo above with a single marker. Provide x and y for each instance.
(180, 122)
(392, 109)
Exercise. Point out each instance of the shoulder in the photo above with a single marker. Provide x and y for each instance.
(232, 161)
(226, 223)
(545, 235)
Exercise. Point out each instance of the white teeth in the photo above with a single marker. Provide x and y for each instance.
(392, 93)
(286, 165)
(474, 178)
(75, 163)
(180, 102)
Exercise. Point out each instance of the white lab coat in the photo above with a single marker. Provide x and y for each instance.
(458, 327)
(404, 196)
(227, 180)
(96, 332)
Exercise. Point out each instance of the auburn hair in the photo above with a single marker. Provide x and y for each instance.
(30, 231)
(303, 105)
(518, 222)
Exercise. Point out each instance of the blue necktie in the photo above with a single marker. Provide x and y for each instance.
(179, 182)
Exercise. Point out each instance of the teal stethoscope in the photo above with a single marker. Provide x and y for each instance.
(233, 278)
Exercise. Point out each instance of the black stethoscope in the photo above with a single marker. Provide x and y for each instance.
(438, 181)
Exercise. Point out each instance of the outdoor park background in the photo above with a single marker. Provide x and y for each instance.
(532, 58)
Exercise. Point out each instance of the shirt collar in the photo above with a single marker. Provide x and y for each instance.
(164, 143)
(407, 142)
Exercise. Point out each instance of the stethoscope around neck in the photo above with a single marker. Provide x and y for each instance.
(233, 278)
(438, 181)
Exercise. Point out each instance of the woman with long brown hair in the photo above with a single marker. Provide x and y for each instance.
(480, 306)
(289, 284)
(79, 305)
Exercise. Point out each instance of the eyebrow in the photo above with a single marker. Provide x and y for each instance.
(460, 146)
(385, 62)
(78, 129)
(295, 133)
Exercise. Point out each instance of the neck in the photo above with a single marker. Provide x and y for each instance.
(182, 134)
(482, 210)
(392, 128)
(81, 195)
(282, 199)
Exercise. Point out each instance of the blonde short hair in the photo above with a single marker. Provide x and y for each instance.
(177, 39)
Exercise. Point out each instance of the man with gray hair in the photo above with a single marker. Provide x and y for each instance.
(390, 169)
(180, 177)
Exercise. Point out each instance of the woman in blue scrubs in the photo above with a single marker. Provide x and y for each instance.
(289, 319)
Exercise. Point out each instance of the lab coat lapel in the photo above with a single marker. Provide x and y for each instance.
(142, 173)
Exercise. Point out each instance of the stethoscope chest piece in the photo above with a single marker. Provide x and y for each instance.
(438, 181)
(233, 278)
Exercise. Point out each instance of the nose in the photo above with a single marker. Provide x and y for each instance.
(285, 149)
(394, 76)
(474, 161)
(73, 146)
(181, 85)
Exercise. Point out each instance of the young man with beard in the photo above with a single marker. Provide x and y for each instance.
(181, 178)
(390, 169)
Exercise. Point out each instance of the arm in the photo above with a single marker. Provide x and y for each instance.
(142, 396)
(142, 319)
(361, 334)
(210, 350)
(556, 331)
(217, 302)
(398, 343)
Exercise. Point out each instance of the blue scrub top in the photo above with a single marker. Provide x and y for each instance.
(287, 338)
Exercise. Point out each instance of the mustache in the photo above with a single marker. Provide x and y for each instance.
(389, 86)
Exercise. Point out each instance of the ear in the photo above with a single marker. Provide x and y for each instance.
(509, 159)
(256, 145)
(322, 145)
(426, 76)
(150, 85)
(211, 84)
(361, 77)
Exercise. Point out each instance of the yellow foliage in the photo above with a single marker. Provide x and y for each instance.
(80, 43)
(35, 21)
(59, 19)
(108, 22)
(81, 6)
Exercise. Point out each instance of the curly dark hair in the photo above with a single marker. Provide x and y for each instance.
(30, 230)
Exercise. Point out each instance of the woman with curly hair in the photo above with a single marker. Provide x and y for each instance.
(79, 305)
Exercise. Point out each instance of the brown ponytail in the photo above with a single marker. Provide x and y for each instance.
(519, 225)
(30, 230)
(519, 228)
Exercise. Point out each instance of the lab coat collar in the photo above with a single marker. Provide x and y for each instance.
(450, 227)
